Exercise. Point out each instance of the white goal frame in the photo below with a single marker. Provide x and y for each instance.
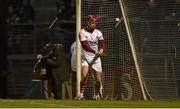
(131, 42)
(78, 47)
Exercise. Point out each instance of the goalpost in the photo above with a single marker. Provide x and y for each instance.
(78, 47)
(126, 21)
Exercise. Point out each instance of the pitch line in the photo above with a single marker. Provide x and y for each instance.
(48, 104)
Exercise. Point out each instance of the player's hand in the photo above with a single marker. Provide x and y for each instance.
(99, 53)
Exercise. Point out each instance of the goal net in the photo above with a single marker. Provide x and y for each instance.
(119, 75)
(153, 26)
(155, 33)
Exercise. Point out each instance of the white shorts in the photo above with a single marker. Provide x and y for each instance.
(96, 65)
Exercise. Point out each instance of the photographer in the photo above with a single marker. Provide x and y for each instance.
(54, 69)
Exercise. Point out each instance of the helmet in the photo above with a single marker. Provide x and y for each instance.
(92, 18)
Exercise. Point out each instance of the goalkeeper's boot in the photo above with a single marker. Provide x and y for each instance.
(79, 98)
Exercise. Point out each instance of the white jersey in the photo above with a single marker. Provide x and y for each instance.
(73, 56)
(92, 39)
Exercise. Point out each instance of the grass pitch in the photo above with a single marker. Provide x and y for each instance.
(12, 103)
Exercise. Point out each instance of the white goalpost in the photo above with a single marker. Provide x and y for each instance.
(132, 46)
(78, 48)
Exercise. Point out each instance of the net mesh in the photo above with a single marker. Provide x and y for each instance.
(119, 74)
(156, 36)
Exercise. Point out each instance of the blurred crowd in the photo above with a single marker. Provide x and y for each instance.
(20, 11)
(65, 9)
(161, 10)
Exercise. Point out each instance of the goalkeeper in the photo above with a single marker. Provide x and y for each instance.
(93, 45)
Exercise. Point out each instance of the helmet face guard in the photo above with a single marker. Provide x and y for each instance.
(91, 22)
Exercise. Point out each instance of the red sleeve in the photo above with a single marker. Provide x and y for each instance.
(102, 44)
(86, 46)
